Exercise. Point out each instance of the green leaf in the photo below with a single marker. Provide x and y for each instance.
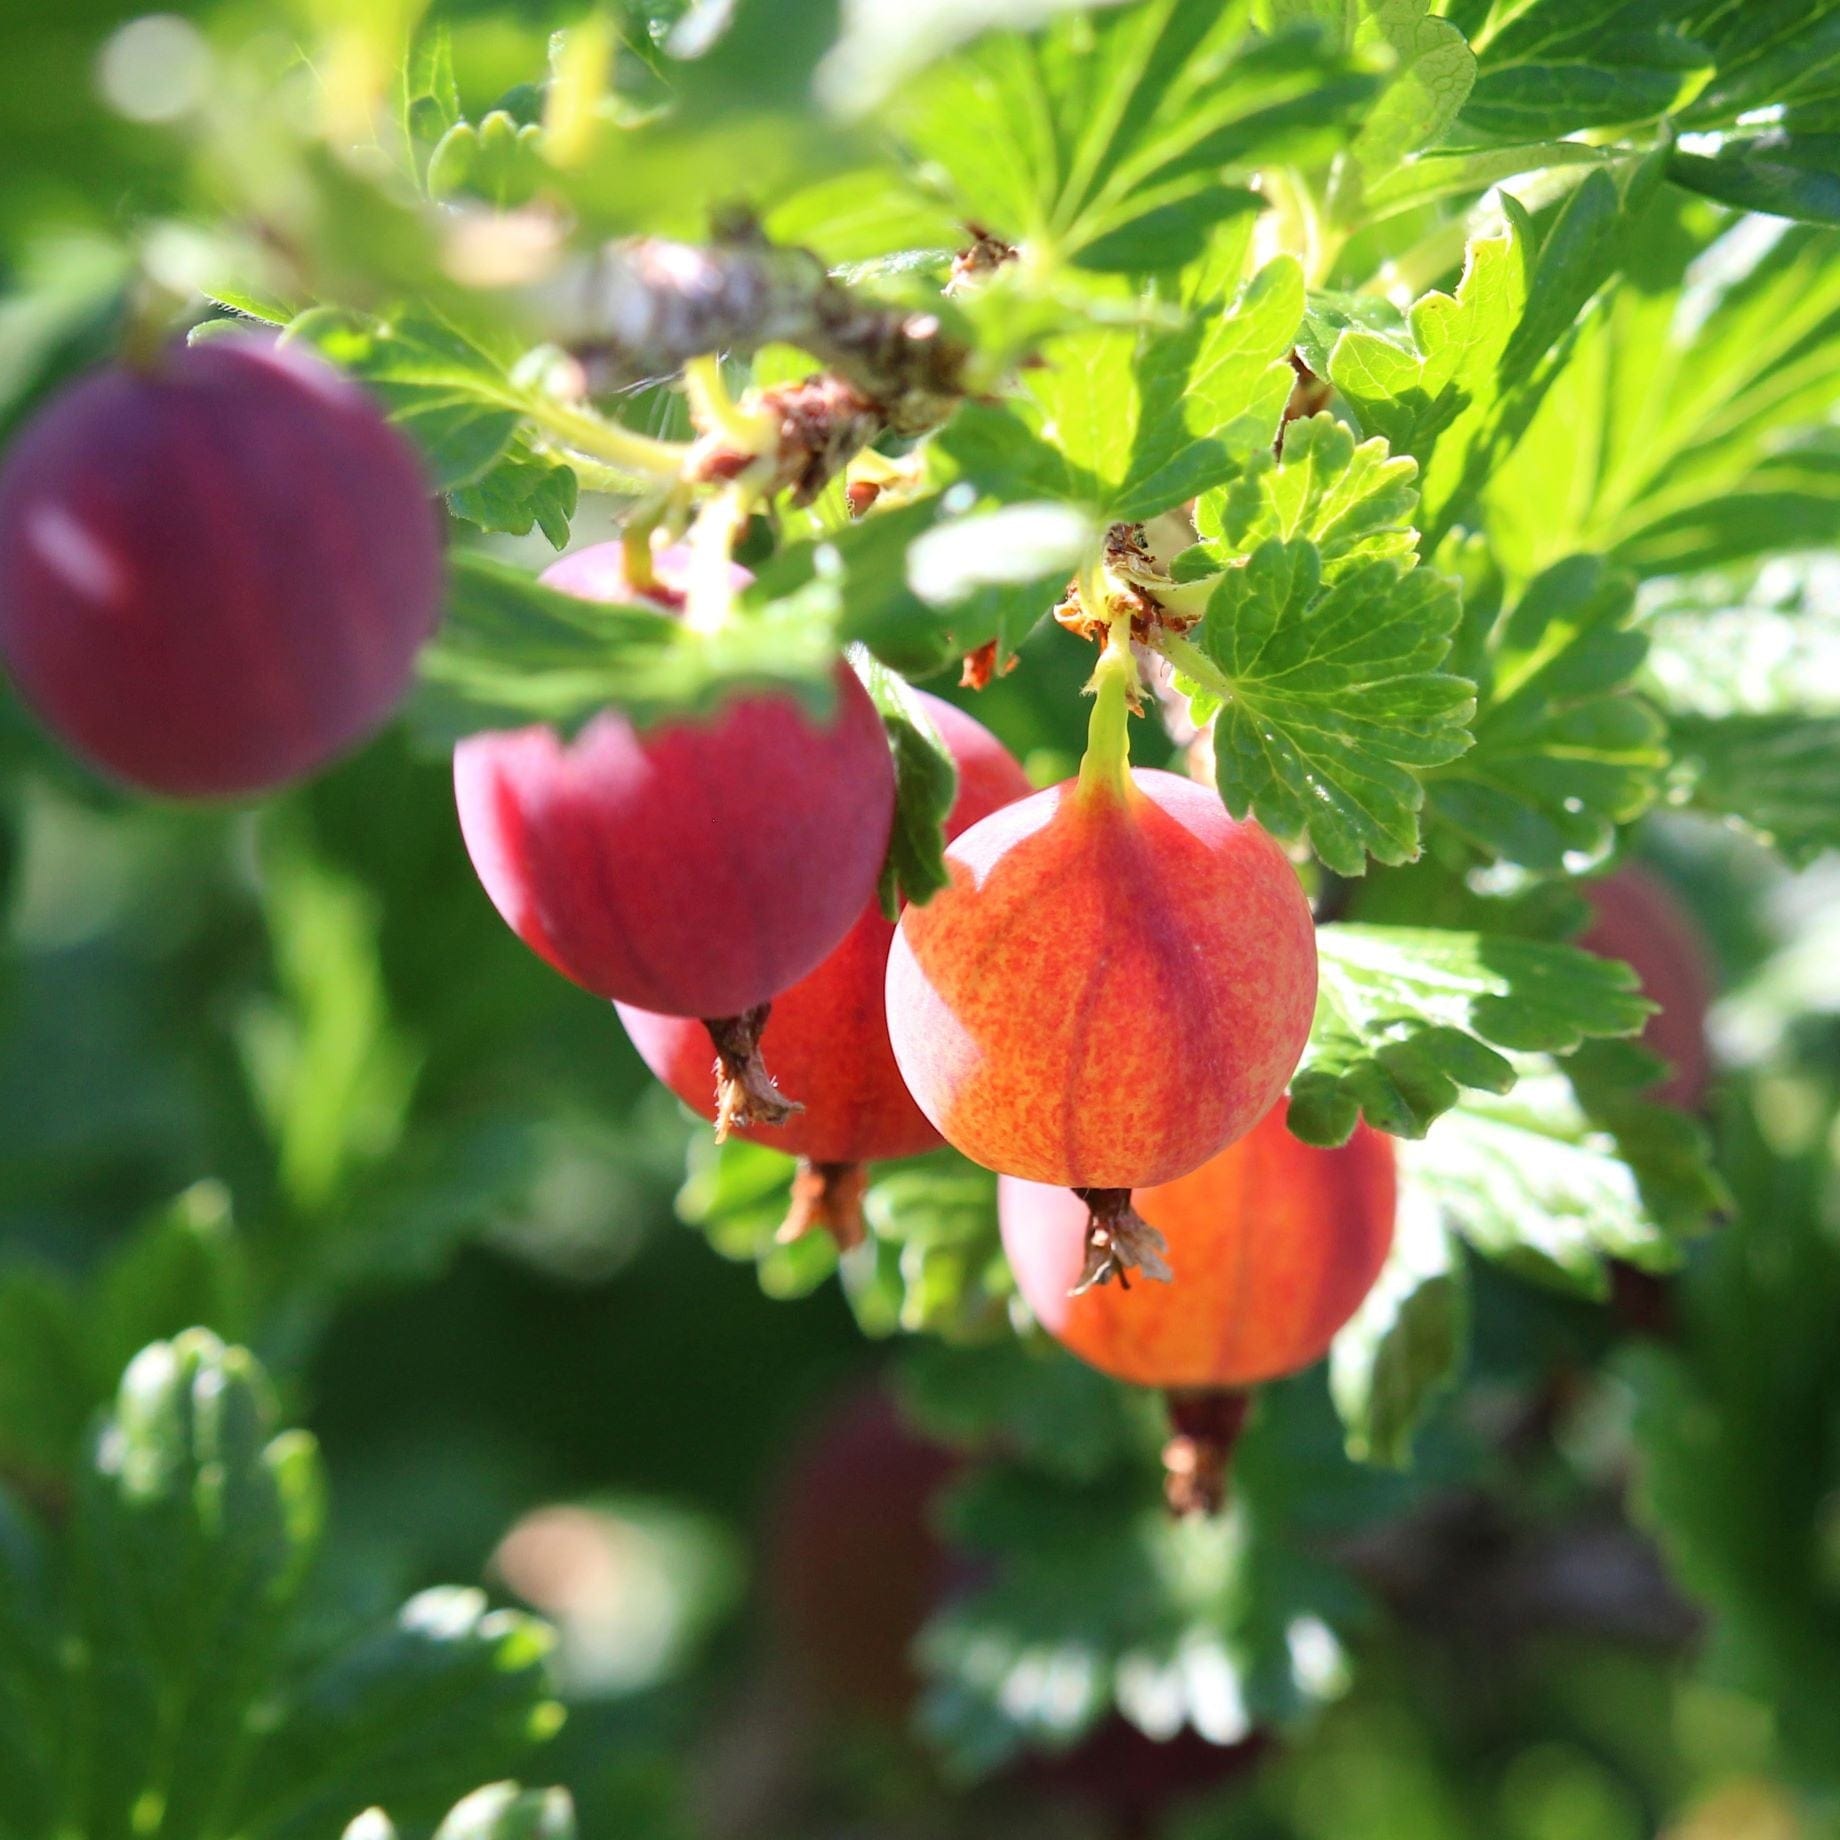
(1776, 774)
(1557, 67)
(511, 651)
(934, 1264)
(1719, 646)
(182, 1268)
(450, 1689)
(1117, 139)
(499, 160)
(1786, 175)
(428, 97)
(1406, 1016)
(46, 1393)
(177, 1706)
(864, 216)
(737, 1194)
(1683, 424)
(1735, 1437)
(443, 390)
(189, 1542)
(1413, 392)
(60, 312)
(1776, 54)
(1213, 1625)
(1553, 1188)
(30, 1683)
(925, 785)
(1332, 699)
(1431, 80)
(521, 490)
(505, 1812)
(1467, 171)
(921, 586)
(1404, 1345)
(1563, 753)
(1482, 361)
(1129, 423)
(1355, 504)
(1182, 1634)
(1030, 1398)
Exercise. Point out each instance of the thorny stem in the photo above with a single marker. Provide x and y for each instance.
(1106, 765)
(646, 307)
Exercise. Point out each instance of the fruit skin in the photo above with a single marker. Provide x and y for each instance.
(215, 572)
(1274, 1244)
(826, 1039)
(698, 868)
(1115, 985)
(1637, 918)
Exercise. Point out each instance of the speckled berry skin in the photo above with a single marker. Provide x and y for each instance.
(697, 867)
(216, 570)
(826, 1040)
(1273, 1242)
(1116, 985)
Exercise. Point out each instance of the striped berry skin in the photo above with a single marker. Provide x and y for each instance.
(826, 1039)
(1274, 1244)
(697, 867)
(216, 570)
(1116, 984)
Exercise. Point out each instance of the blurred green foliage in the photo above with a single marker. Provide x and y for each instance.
(296, 1134)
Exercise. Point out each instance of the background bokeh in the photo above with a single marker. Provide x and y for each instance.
(1606, 1603)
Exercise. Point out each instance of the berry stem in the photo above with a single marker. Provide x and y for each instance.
(1193, 663)
(1105, 769)
(1205, 1423)
(827, 1196)
(714, 409)
(623, 449)
(709, 588)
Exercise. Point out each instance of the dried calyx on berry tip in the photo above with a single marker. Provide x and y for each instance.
(745, 1091)
(1118, 1241)
(1205, 1424)
(827, 1196)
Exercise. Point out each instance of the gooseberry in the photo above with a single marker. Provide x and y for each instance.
(1116, 984)
(698, 867)
(215, 569)
(826, 1038)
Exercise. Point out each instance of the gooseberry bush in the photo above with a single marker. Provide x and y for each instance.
(1171, 662)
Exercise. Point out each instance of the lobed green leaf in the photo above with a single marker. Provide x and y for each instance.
(1405, 1017)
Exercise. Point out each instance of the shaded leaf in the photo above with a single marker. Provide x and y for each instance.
(1406, 1016)
(510, 652)
(1405, 1343)
(1563, 754)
